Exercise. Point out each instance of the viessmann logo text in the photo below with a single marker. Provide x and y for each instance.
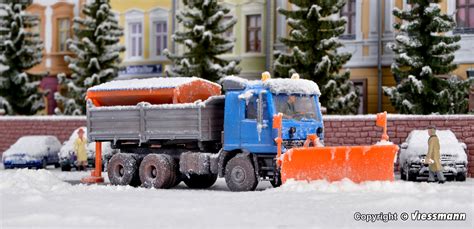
(414, 216)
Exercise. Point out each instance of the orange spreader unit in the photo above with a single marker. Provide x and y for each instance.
(358, 163)
(180, 91)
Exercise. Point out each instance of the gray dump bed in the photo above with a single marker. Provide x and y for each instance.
(202, 121)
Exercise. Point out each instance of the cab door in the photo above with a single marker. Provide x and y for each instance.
(255, 131)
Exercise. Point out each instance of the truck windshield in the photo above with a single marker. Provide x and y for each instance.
(296, 107)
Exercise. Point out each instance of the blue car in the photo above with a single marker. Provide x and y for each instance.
(32, 152)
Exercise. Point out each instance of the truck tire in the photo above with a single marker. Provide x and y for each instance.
(461, 177)
(402, 174)
(178, 177)
(122, 170)
(65, 168)
(276, 181)
(157, 171)
(240, 174)
(195, 181)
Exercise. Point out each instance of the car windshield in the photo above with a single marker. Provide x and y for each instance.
(298, 107)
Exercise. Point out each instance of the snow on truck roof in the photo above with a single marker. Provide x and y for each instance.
(149, 83)
(276, 86)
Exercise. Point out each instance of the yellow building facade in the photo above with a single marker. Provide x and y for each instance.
(148, 26)
(259, 26)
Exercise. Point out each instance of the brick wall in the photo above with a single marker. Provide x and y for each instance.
(12, 128)
(339, 130)
(357, 130)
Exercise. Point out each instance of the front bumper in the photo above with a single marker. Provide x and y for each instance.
(449, 169)
(27, 164)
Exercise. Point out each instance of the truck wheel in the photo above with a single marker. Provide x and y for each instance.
(65, 167)
(200, 181)
(276, 181)
(157, 171)
(402, 174)
(177, 175)
(122, 170)
(240, 174)
(461, 177)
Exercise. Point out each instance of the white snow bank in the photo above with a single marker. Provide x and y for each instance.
(347, 185)
(384, 143)
(34, 146)
(147, 84)
(32, 182)
(38, 198)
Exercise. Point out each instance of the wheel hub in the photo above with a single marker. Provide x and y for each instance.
(120, 170)
(238, 174)
(152, 172)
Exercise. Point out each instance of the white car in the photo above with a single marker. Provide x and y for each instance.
(67, 156)
(415, 148)
(32, 152)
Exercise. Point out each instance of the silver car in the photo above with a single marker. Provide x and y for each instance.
(415, 147)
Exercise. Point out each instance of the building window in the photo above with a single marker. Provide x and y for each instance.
(465, 16)
(349, 11)
(254, 33)
(63, 33)
(136, 39)
(161, 37)
(361, 85)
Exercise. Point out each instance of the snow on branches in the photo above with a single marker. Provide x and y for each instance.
(423, 52)
(20, 49)
(314, 54)
(97, 55)
(205, 24)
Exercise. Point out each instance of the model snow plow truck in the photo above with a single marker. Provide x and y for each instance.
(170, 130)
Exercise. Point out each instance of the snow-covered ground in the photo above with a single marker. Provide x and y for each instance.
(51, 198)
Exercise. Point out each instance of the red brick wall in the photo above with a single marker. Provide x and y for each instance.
(357, 130)
(12, 128)
(339, 130)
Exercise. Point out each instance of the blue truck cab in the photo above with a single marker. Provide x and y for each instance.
(249, 110)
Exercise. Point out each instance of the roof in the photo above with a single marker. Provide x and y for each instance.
(276, 86)
(150, 83)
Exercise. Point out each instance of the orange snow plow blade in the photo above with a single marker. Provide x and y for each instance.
(357, 163)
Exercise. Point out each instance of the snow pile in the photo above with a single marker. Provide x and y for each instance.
(34, 146)
(292, 86)
(147, 84)
(30, 182)
(347, 186)
(384, 143)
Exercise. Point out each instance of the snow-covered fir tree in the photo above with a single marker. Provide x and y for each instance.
(97, 55)
(20, 50)
(314, 43)
(424, 50)
(204, 39)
